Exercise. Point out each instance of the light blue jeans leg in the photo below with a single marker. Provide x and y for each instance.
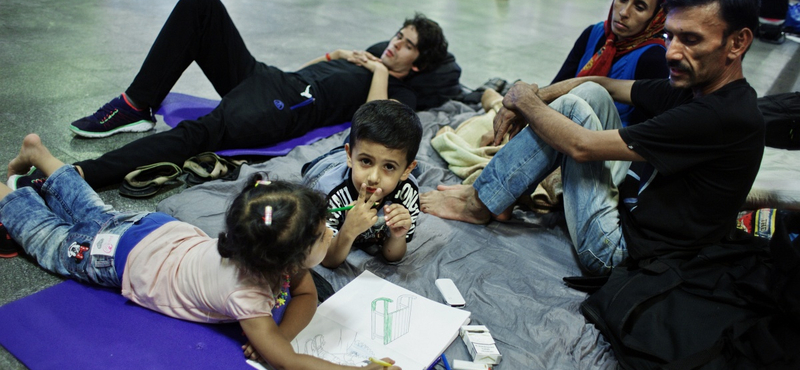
(590, 189)
(54, 232)
(523, 161)
(590, 192)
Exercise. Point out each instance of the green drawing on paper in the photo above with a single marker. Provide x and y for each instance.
(390, 325)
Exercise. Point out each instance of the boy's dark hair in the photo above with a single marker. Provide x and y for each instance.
(431, 43)
(266, 252)
(389, 123)
(737, 14)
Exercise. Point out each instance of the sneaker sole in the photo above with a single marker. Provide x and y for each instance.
(140, 126)
(12, 181)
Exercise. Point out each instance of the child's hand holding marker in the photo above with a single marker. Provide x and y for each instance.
(362, 215)
(384, 363)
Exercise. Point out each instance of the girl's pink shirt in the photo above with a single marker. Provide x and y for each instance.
(177, 270)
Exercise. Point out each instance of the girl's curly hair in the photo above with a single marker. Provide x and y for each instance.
(266, 252)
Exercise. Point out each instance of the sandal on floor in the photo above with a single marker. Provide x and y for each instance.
(146, 181)
(495, 83)
(474, 97)
(209, 166)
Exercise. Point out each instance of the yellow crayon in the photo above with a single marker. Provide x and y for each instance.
(379, 362)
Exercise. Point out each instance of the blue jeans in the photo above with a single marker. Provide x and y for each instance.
(58, 228)
(590, 189)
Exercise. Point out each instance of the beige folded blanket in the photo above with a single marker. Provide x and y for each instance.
(461, 149)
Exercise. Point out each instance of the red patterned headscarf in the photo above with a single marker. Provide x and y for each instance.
(601, 62)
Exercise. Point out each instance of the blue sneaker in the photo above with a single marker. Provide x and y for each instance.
(34, 178)
(114, 117)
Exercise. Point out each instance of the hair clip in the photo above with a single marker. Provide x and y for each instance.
(263, 182)
(268, 215)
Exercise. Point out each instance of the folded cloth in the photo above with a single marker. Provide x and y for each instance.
(466, 156)
(461, 148)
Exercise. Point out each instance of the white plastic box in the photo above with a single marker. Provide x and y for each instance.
(469, 365)
(480, 344)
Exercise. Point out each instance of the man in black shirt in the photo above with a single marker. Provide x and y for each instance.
(689, 167)
(261, 105)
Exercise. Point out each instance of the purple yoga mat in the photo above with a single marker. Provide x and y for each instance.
(178, 107)
(77, 326)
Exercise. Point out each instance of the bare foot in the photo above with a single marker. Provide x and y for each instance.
(33, 153)
(455, 202)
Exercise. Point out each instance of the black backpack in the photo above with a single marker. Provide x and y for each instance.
(771, 16)
(782, 116)
(735, 305)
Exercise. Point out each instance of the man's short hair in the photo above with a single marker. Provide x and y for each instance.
(431, 43)
(389, 123)
(737, 14)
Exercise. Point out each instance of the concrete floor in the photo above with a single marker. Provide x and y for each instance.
(59, 63)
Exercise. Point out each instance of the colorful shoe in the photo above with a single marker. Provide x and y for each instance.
(8, 247)
(114, 117)
(34, 178)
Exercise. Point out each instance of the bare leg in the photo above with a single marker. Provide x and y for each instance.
(33, 153)
(4, 190)
(455, 202)
(79, 169)
(490, 99)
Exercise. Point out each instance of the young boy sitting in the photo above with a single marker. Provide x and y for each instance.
(371, 173)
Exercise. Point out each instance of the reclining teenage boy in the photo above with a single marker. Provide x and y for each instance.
(261, 105)
(371, 173)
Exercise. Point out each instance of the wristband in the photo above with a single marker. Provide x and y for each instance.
(328, 56)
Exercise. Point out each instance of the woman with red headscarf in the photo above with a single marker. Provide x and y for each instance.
(629, 45)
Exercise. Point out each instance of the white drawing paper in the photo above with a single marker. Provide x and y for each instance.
(371, 317)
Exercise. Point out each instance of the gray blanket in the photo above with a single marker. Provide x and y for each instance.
(509, 273)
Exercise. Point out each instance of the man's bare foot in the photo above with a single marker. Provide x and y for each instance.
(455, 202)
(33, 153)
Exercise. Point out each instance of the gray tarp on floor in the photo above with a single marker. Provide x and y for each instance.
(509, 273)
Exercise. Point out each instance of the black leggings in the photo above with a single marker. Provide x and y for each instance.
(201, 31)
